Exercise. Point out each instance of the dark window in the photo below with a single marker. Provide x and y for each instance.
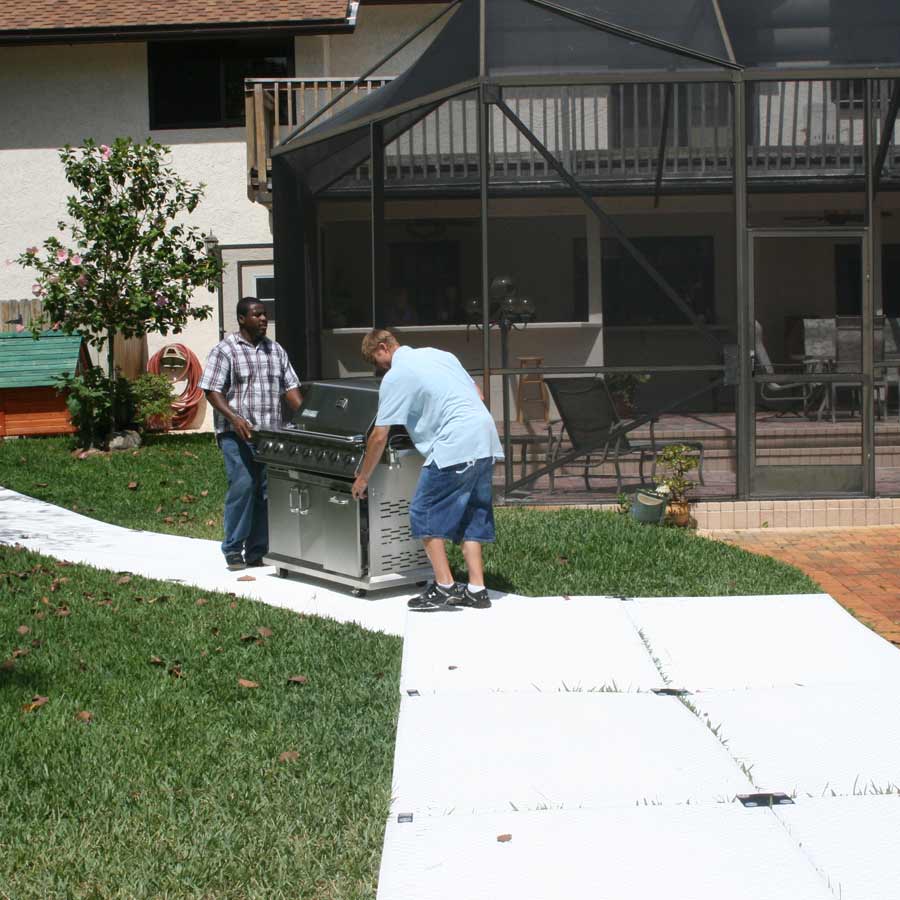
(848, 279)
(631, 297)
(423, 284)
(265, 291)
(200, 84)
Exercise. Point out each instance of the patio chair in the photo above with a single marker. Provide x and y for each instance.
(773, 394)
(589, 419)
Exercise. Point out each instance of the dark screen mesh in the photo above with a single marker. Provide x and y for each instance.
(821, 32)
(526, 39)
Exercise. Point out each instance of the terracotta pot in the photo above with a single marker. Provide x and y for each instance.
(679, 512)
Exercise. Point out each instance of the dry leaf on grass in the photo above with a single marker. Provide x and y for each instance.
(232, 605)
(41, 484)
(123, 580)
(201, 601)
(85, 716)
(20, 651)
(246, 578)
(168, 519)
(204, 493)
(289, 756)
(244, 683)
(504, 838)
(247, 637)
(264, 632)
(175, 671)
(210, 521)
(36, 703)
(156, 661)
(297, 679)
(132, 485)
(7, 665)
(23, 630)
(63, 611)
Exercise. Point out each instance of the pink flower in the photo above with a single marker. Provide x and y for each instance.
(62, 255)
(53, 279)
(82, 280)
(105, 151)
(75, 260)
(32, 251)
(37, 290)
(160, 301)
(55, 326)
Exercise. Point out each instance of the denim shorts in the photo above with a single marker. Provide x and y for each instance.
(455, 503)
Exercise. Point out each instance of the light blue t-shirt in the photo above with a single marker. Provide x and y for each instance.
(429, 392)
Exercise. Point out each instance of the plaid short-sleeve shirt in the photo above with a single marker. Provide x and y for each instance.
(253, 378)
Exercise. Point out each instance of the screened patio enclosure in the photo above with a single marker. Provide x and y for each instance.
(691, 205)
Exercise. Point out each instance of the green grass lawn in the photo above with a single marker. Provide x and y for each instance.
(178, 481)
(176, 787)
(176, 484)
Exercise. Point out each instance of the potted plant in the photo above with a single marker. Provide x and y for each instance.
(676, 460)
(622, 387)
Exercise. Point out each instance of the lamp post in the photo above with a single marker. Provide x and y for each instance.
(509, 310)
(214, 251)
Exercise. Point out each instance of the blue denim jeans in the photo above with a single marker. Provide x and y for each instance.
(246, 523)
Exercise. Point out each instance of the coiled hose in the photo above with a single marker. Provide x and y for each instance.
(184, 407)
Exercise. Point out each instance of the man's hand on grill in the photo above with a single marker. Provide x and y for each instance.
(359, 487)
(242, 428)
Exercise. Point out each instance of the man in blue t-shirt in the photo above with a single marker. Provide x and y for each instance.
(432, 396)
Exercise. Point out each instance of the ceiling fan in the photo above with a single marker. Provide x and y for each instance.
(830, 217)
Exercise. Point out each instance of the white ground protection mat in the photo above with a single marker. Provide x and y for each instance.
(853, 841)
(492, 752)
(722, 852)
(527, 644)
(817, 740)
(739, 642)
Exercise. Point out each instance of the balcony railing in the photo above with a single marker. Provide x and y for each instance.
(609, 134)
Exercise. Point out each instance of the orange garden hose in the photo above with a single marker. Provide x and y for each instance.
(184, 407)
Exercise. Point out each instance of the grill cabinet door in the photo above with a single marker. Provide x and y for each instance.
(284, 528)
(343, 550)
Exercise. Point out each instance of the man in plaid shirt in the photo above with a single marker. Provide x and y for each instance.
(246, 377)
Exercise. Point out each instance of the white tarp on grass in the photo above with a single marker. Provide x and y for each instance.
(723, 852)
(493, 752)
(854, 842)
(527, 644)
(815, 740)
(740, 642)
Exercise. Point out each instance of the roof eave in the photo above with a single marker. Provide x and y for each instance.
(345, 24)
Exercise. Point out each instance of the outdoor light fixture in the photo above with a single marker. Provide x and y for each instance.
(213, 250)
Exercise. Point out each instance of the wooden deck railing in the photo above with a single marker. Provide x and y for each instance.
(796, 129)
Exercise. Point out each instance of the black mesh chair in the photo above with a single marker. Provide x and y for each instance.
(589, 419)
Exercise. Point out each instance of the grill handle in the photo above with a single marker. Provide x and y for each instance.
(339, 501)
(302, 497)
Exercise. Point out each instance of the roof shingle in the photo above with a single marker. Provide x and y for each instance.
(49, 16)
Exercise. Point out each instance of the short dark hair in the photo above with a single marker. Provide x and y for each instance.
(245, 303)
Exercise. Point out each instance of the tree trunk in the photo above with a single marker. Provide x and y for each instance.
(111, 371)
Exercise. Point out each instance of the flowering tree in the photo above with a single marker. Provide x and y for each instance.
(124, 261)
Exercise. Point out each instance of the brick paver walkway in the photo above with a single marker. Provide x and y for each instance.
(859, 567)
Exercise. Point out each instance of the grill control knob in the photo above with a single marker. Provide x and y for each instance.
(295, 451)
(350, 460)
(334, 456)
(320, 454)
(307, 452)
(267, 445)
(279, 448)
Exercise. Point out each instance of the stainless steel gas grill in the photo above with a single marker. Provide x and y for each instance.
(315, 526)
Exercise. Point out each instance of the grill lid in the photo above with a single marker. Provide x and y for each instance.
(345, 408)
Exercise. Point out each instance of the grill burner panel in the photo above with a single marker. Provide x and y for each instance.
(315, 526)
